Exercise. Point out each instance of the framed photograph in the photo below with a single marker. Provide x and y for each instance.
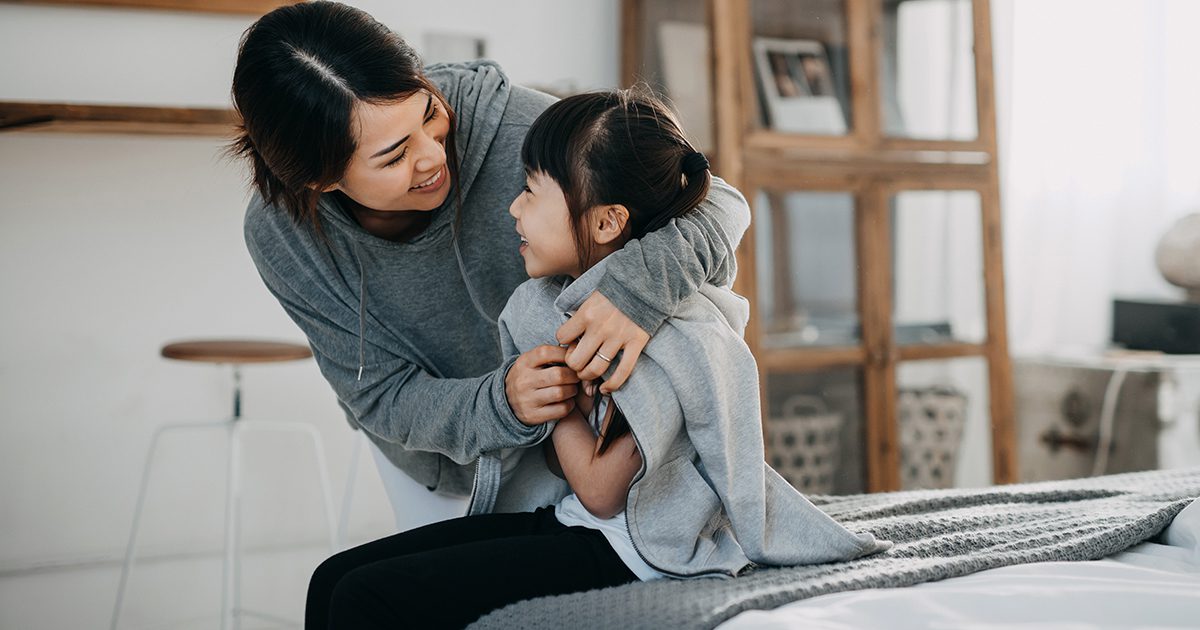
(797, 86)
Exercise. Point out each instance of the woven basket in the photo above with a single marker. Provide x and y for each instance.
(931, 428)
(802, 444)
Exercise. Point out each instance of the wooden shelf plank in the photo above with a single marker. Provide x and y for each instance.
(766, 145)
(801, 359)
(792, 169)
(925, 352)
(245, 7)
(811, 358)
(79, 118)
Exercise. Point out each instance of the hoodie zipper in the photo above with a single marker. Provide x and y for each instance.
(629, 530)
(475, 485)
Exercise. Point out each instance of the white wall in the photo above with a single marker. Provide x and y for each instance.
(167, 57)
(1097, 159)
(112, 245)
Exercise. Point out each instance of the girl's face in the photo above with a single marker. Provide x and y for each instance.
(400, 162)
(544, 223)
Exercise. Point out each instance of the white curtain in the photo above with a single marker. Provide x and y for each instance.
(1099, 133)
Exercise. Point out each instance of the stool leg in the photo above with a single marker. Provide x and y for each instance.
(360, 436)
(231, 567)
(322, 469)
(326, 491)
(143, 485)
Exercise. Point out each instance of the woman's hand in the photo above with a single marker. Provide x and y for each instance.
(539, 388)
(599, 328)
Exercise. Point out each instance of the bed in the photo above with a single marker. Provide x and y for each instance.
(1151, 585)
(1107, 552)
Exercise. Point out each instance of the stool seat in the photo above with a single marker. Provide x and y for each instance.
(235, 351)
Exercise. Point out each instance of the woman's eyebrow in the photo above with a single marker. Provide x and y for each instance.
(428, 104)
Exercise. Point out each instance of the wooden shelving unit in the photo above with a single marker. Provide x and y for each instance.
(871, 167)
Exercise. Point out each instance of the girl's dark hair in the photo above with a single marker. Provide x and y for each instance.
(617, 147)
(300, 71)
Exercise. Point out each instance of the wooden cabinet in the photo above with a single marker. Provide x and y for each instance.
(863, 134)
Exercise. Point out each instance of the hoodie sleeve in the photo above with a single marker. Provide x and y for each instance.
(391, 397)
(649, 277)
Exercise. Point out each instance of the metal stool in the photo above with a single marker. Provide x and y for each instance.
(235, 353)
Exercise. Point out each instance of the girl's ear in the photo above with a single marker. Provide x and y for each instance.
(609, 223)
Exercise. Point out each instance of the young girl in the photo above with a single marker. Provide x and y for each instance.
(663, 477)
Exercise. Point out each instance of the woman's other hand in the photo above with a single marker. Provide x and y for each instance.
(599, 328)
(539, 387)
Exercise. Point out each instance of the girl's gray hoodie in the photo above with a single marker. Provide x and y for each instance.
(405, 333)
(705, 502)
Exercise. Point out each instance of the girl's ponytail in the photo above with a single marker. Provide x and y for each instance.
(696, 180)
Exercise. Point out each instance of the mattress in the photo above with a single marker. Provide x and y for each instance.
(1155, 584)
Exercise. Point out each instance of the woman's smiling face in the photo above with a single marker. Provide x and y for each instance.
(400, 160)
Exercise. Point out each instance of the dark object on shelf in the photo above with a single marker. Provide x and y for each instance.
(1170, 327)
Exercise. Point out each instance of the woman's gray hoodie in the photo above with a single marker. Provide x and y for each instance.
(405, 333)
(705, 502)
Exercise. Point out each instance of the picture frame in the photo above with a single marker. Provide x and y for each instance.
(797, 86)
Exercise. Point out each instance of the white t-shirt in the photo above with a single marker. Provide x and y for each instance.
(570, 512)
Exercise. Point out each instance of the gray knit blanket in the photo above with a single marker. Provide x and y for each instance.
(938, 534)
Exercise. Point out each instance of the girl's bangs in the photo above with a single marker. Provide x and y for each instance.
(545, 146)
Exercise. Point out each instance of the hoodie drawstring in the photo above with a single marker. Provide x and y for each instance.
(462, 269)
(362, 311)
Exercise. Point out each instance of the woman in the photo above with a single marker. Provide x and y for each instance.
(380, 223)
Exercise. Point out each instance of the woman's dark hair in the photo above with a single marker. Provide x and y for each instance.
(617, 147)
(300, 71)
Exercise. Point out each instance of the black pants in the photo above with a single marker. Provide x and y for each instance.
(448, 574)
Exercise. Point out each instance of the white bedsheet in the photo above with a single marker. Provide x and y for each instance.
(1152, 585)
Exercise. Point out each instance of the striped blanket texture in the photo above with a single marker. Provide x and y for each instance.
(938, 534)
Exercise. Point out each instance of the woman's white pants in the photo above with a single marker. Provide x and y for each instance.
(412, 503)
